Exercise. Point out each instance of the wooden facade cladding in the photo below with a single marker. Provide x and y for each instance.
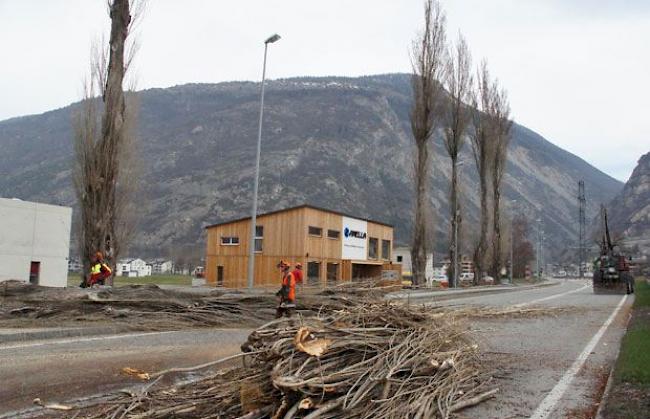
(287, 236)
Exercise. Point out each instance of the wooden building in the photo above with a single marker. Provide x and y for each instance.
(330, 245)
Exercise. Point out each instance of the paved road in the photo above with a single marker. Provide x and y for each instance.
(535, 357)
(555, 365)
(63, 369)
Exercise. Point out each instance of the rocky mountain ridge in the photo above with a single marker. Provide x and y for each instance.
(630, 209)
(335, 142)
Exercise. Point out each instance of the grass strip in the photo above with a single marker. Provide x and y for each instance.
(629, 396)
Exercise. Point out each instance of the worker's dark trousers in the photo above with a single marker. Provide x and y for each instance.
(284, 311)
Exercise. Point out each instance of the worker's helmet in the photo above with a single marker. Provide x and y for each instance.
(298, 265)
(283, 264)
(99, 255)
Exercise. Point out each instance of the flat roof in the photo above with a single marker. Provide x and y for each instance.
(19, 203)
(299, 207)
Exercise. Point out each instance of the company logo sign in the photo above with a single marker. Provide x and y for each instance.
(354, 245)
(353, 233)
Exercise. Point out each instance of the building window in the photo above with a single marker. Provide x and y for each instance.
(373, 247)
(385, 249)
(229, 241)
(313, 271)
(259, 235)
(399, 259)
(315, 231)
(333, 234)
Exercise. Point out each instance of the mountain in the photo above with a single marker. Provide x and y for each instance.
(629, 211)
(339, 143)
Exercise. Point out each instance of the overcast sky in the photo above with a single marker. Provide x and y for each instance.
(577, 71)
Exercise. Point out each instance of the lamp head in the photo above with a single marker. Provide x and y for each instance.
(271, 39)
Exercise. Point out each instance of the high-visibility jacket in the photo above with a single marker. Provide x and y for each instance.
(99, 271)
(297, 275)
(289, 287)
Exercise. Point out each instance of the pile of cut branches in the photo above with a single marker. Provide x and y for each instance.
(368, 361)
(148, 307)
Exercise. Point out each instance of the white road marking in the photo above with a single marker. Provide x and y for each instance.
(461, 299)
(549, 403)
(551, 297)
(83, 339)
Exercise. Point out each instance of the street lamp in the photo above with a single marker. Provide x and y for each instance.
(251, 243)
(459, 165)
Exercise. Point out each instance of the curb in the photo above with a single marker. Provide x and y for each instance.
(610, 379)
(605, 396)
(446, 295)
(59, 333)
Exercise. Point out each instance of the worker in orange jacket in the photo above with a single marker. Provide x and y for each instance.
(99, 271)
(297, 273)
(287, 293)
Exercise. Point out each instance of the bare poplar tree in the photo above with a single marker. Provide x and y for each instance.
(428, 66)
(500, 115)
(103, 143)
(459, 85)
(481, 137)
(427, 54)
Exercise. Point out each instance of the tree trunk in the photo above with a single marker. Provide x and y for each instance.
(455, 222)
(496, 245)
(419, 248)
(481, 249)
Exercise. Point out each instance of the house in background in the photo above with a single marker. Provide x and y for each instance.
(74, 265)
(160, 266)
(402, 255)
(133, 268)
(465, 263)
(34, 242)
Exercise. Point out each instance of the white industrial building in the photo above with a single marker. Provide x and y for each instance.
(34, 242)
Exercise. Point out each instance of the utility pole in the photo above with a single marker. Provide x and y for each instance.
(582, 203)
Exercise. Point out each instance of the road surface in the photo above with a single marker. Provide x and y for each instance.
(545, 366)
(551, 366)
(63, 369)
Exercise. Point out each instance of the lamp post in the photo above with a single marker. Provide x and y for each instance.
(459, 165)
(251, 243)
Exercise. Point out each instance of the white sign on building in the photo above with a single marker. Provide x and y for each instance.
(34, 242)
(355, 239)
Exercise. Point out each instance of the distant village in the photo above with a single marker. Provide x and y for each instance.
(136, 267)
